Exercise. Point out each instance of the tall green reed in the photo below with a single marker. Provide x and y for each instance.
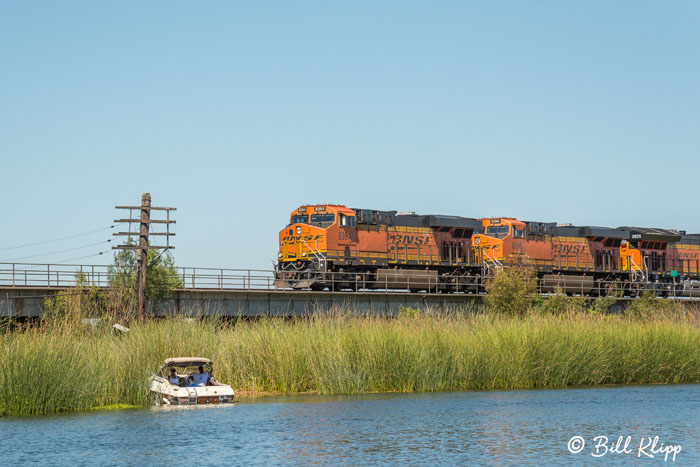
(68, 365)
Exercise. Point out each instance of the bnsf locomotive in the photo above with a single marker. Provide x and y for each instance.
(337, 248)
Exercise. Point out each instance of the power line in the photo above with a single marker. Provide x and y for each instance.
(56, 239)
(64, 261)
(55, 252)
(82, 257)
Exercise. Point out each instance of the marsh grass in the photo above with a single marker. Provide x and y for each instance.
(67, 365)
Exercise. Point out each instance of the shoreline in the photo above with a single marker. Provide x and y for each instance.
(248, 396)
(75, 368)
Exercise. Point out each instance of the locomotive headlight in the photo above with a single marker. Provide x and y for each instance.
(298, 230)
(303, 253)
(279, 255)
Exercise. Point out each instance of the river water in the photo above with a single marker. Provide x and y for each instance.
(459, 428)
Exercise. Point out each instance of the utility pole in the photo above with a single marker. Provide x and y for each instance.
(141, 250)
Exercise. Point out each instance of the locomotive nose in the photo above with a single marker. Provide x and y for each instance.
(300, 243)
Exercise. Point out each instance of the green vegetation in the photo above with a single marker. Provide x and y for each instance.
(64, 364)
(68, 309)
(511, 291)
(161, 280)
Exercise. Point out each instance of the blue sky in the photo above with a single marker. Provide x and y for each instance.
(238, 112)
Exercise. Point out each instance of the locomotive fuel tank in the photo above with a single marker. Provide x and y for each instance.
(568, 283)
(407, 279)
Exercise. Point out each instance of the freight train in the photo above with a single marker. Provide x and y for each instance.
(330, 246)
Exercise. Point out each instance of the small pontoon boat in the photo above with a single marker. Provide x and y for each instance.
(189, 381)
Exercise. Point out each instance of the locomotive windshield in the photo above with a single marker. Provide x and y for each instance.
(497, 231)
(300, 219)
(322, 220)
(319, 220)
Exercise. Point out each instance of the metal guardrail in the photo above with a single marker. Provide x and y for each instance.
(226, 279)
(70, 275)
(52, 275)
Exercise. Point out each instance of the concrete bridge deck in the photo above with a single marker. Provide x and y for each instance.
(29, 302)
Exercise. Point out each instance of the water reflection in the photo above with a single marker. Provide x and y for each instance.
(507, 427)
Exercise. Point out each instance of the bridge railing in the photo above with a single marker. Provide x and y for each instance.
(53, 275)
(70, 275)
(225, 279)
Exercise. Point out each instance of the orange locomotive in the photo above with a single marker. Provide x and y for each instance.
(331, 246)
(584, 259)
(334, 247)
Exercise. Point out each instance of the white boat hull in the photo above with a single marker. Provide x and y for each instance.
(169, 394)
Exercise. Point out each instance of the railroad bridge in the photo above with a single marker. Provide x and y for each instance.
(219, 292)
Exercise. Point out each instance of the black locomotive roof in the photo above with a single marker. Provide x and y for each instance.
(606, 232)
(631, 233)
(374, 217)
(568, 231)
(575, 230)
(409, 220)
(652, 234)
(452, 221)
(430, 220)
(691, 239)
(370, 216)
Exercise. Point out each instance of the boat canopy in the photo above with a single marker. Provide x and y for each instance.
(186, 361)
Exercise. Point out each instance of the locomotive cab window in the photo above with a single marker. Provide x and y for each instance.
(497, 231)
(518, 233)
(322, 220)
(299, 219)
(347, 221)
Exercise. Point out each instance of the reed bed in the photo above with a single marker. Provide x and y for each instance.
(65, 365)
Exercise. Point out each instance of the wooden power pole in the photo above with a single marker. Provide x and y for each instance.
(144, 245)
(143, 250)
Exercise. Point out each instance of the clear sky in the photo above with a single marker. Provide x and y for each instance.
(237, 112)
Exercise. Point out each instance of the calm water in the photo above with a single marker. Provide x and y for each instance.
(465, 428)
